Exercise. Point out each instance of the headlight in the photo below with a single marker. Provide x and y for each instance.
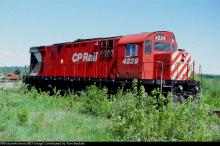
(196, 88)
(180, 87)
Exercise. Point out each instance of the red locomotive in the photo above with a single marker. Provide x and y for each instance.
(151, 58)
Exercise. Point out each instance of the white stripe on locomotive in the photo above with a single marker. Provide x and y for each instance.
(183, 73)
(184, 68)
(190, 67)
(175, 54)
(174, 76)
(174, 65)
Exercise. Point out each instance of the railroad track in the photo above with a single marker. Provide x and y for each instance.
(217, 112)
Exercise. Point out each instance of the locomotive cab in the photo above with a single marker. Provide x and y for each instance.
(158, 48)
(145, 55)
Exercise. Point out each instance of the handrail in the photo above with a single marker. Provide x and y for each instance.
(200, 74)
(161, 76)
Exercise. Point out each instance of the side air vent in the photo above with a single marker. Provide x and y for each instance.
(103, 44)
(84, 44)
(75, 45)
(59, 47)
(102, 53)
(110, 44)
(110, 53)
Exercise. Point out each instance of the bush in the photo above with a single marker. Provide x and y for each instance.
(137, 117)
(71, 101)
(33, 93)
(23, 88)
(22, 116)
(128, 115)
(95, 101)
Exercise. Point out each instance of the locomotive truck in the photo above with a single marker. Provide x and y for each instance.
(152, 58)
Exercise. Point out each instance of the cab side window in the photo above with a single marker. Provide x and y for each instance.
(148, 47)
(131, 50)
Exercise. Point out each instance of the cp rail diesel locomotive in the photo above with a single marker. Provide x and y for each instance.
(152, 58)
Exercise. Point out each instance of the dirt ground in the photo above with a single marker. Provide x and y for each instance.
(9, 84)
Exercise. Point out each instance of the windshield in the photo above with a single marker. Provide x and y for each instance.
(161, 46)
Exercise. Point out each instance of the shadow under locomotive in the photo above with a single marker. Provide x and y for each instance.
(180, 90)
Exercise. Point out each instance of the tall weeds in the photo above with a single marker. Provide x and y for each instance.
(134, 115)
(137, 117)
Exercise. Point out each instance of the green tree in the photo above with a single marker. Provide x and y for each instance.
(17, 71)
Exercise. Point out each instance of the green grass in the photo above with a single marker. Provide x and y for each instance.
(211, 91)
(49, 118)
(131, 116)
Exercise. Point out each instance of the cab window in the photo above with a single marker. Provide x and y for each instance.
(131, 50)
(161, 46)
(172, 47)
(147, 47)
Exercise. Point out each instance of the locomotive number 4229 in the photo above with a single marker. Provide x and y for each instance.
(130, 61)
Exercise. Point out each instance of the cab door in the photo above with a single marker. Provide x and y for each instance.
(148, 60)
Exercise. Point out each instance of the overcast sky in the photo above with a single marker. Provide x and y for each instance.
(27, 23)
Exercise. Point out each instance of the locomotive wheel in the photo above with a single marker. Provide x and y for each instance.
(179, 98)
(146, 94)
(197, 96)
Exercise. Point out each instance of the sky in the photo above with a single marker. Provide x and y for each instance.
(27, 23)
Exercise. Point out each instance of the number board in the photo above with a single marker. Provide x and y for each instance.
(130, 61)
(160, 37)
